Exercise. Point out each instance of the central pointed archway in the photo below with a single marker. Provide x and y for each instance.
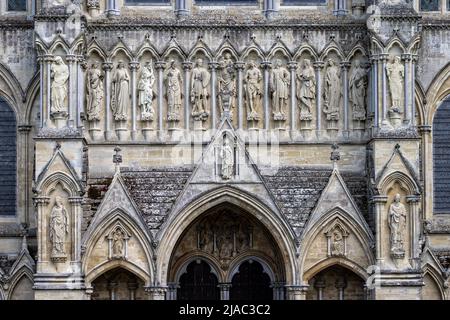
(229, 232)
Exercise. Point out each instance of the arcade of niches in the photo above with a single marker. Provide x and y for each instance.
(229, 150)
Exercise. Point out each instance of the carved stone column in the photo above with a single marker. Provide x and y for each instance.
(107, 67)
(270, 8)
(413, 63)
(24, 172)
(41, 204)
(134, 65)
(318, 65)
(340, 285)
(41, 91)
(112, 288)
(345, 65)
(379, 203)
(382, 64)
(278, 290)
(71, 96)
(48, 59)
(292, 65)
(224, 290)
(319, 285)
(374, 90)
(427, 163)
(296, 292)
(266, 98)
(213, 66)
(407, 107)
(160, 65)
(414, 216)
(240, 66)
(187, 66)
(172, 290)
(76, 232)
(112, 7)
(181, 8)
(156, 292)
(81, 65)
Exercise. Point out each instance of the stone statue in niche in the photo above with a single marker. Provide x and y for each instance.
(227, 85)
(118, 244)
(253, 91)
(306, 89)
(337, 243)
(95, 92)
(358, 87)
(397, 226)
(279, 87)
(120, 92)
(59, 228)
(200, 78)
(395, 72)
(332, 92)
(59, 76)
(173, 87)
(145, 92)
(227, 155)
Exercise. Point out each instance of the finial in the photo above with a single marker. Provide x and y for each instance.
(335, 154)
(117, 158)
(24, 243)
(397, 146)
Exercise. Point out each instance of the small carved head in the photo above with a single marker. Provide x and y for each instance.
(306, 63)
(330, 62)
(120, 64)
(172, 63)
(199, 62)
(59, 60)
(397, 59)
(278, 63)
(227, 56)
(397, 198)
(252, 64)
(357, 63)
(58, 201)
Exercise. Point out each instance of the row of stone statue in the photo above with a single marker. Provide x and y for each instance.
(279, 83)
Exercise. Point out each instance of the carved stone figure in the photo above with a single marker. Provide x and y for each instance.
(253, 91)
(59, 76)
(59, 228)
(332, 92)
(358, 87)
(397, 225)
(227, 85)
(173, 85)
(120, 92)
(95, 92)
(200, 78)
(145, 92)
(337, 243)
(227, 155)
(118, 244)
(279, 87)
(395, 72)
(306, 89)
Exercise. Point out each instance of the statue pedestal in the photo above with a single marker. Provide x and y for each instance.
(60, 119)
(198, 125)
(95, 131)
(332, 128)
(359, 124)
(279, 124)
(94, 12)
(305, 128)
(121, 130)
(175, 132)
(147, 131)
(395, 118)
(252, 124)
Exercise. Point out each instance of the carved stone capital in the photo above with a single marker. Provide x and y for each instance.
(93, 4)
(213, 65)
(318, 64)
(107, 66)
(24, 128)
(425, 128)
(413, 199)
(41, 200)
(292, 65)
(379, 199)
(383, 57)
(266, 64)
(187, 65)
(75, 200)
(345, 65)
(133, 65)
(160, 64)
(48, 58)
(406, 56)
(297, 289)
(240, 65)
(71, 58)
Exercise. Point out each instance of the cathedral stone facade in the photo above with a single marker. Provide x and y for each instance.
(240, 149)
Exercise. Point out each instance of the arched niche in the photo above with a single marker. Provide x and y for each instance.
(22, 288)
(118, 284)
(226, 236)
(253, 84)
(431, 289)
(336, 282)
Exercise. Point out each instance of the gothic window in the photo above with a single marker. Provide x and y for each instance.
(441, 158)
(17, 5)
(146, 2)
(7, 159)
(430, 5)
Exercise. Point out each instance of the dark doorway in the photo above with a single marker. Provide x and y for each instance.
(251, 283)
(198, 283)
(118, 284)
